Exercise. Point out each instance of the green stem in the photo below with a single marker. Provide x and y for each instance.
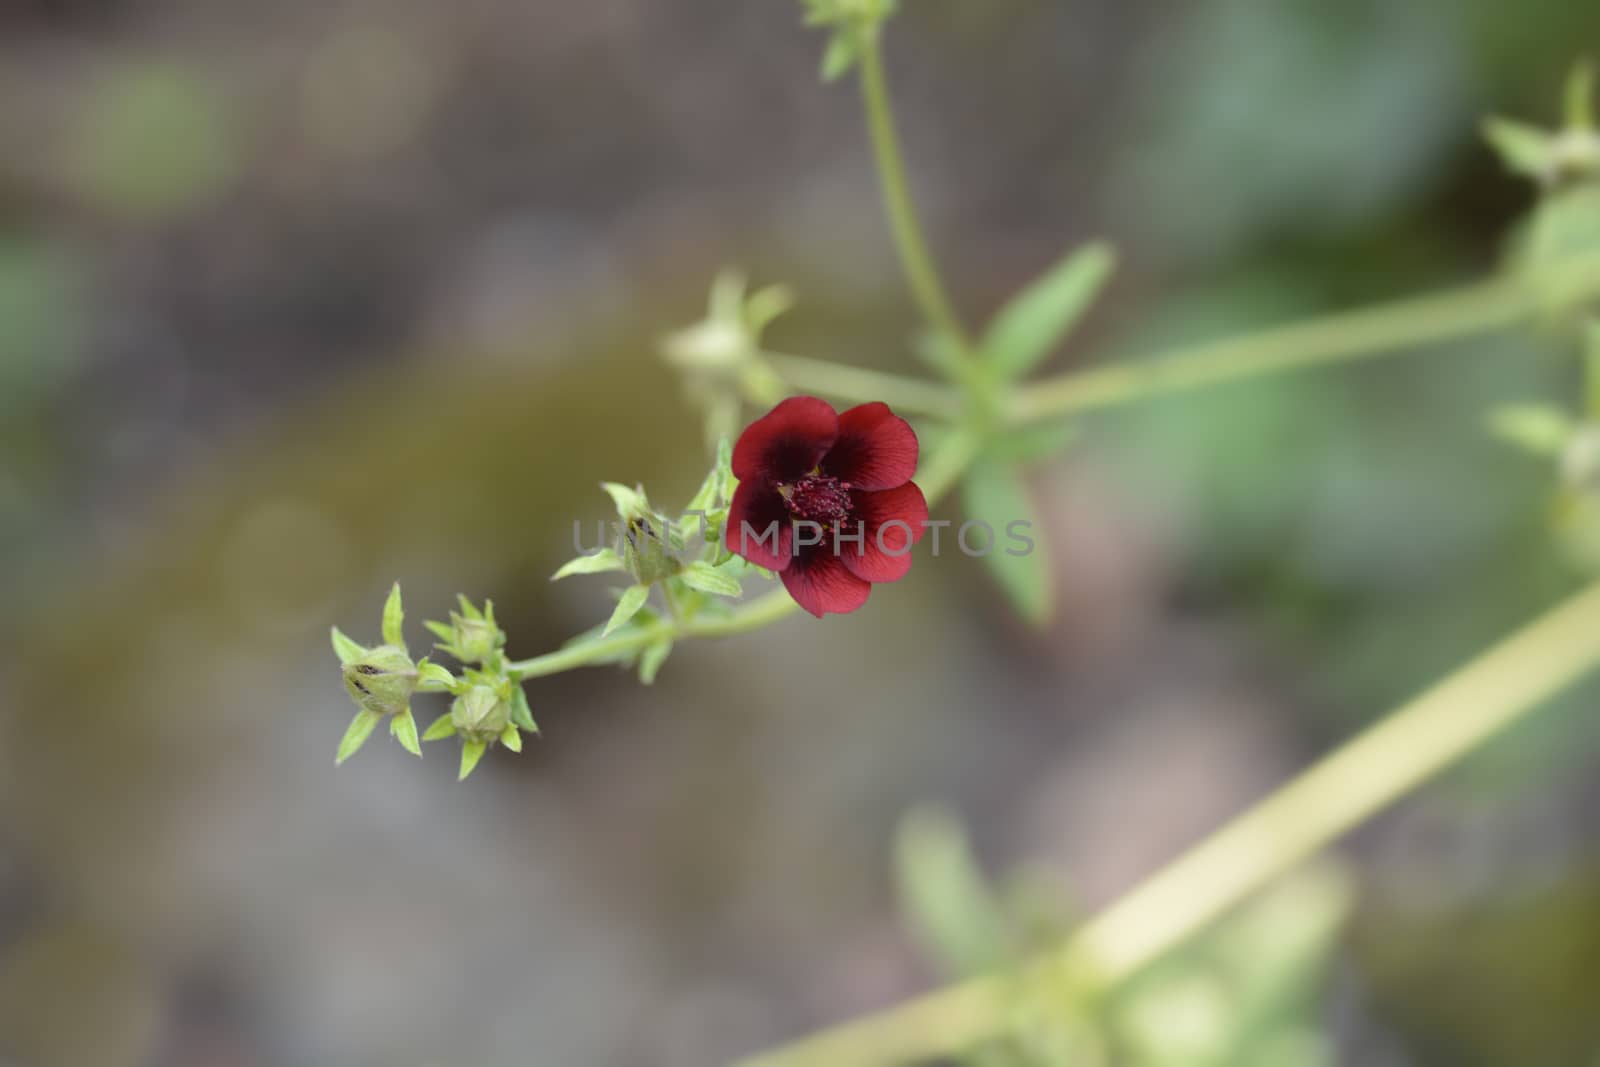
(1366, 775)
(915, 259)
(1341, 337)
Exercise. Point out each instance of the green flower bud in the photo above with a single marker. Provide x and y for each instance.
(381, 680)
(645, 551)
(480, 714)
(474, 640)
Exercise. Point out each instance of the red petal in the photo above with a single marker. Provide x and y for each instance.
(876, 449)
(884, 554)
(787, 441)
(819, 582)
(751, 513)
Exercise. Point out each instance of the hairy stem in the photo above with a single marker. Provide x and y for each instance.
(1370, 772)
(915, 259)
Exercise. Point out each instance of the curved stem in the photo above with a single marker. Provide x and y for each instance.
(1370, 772)
(915, 259)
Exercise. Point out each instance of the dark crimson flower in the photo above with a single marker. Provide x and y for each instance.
(826, 499)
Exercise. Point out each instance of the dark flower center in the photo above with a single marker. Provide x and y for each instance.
(818, 497)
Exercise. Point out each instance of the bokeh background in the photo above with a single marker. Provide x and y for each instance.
(299, 298)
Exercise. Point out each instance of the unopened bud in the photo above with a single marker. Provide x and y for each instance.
(381, 680)
(480, 714)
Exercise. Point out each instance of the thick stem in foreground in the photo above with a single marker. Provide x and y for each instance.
(1367, 774)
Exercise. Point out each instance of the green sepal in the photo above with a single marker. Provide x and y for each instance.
(347, 650)
(706, 578)
(521, 713)
(627, 607)
(1535, 428)
(511, 738)
(471, 753)
(442, 728)
(404, 729)
(630, 503)
(714, 490)
(599, 563)
(432, 678)
(393, 618)
(442, 631)
(651, 660)
(356, 735)
(995, 494)
(469, 609)
(1035, 321)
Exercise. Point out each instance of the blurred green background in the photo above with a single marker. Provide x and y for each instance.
(299, 298)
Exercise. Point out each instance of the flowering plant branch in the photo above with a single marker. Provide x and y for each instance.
(686, 571)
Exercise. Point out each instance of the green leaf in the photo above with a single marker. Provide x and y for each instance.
(468, 609)
(843, 50)
(627, 607)
(652, 659)
(521, 713)
(347, 650)
(442, 631)
(706, 578)
(1580, 97)
(393, 632)
(471, 753)
(1524, 149)
(510, 738)
(404, 729)
(994, 493)
(602, 561)
(1534, 428)
(441, 728)
(1037, 319)
(1033, 443)
(945, 898)
(361, 728)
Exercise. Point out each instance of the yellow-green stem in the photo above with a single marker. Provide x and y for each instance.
(1367, 774)
(915, 259)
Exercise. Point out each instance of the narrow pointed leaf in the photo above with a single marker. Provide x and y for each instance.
(361, 728)
(468, 609)
(393, 617)
(441, 728)
(404, 729)
(511, 738)
(843, 50)
(627, 607)
(652, 659)
(714, 490)
(953, 911)
(347, 650)
(706, 578)
(443, 631)
(1524, 149)
(471, 753)
(602, 561)
(1037, 319)
(996, 495)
